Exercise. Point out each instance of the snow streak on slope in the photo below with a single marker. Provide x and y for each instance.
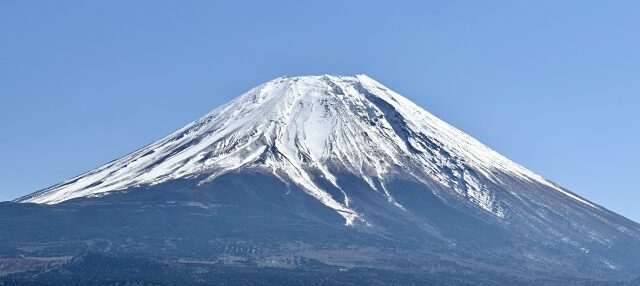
(296, 127)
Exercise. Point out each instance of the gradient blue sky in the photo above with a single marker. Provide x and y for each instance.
(554, 85)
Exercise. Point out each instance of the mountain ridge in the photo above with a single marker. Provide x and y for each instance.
(341, 164)
(379, 103)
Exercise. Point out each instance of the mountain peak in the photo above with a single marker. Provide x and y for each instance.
(311, 166)
(299, 127)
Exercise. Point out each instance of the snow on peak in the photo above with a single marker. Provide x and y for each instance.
(294, 125)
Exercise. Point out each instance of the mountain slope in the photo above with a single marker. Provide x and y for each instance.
(349, 152)
(291, 123)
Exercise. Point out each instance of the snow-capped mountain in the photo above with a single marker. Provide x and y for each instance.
(383, 165)
(292, 125)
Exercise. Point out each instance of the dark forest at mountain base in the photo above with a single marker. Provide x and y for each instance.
(98, 269)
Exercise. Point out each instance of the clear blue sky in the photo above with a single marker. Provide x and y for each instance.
(554, 85)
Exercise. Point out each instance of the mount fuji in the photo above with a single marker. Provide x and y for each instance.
(326, 177)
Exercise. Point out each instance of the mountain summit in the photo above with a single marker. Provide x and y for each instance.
(386, 175)
(294, 127)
